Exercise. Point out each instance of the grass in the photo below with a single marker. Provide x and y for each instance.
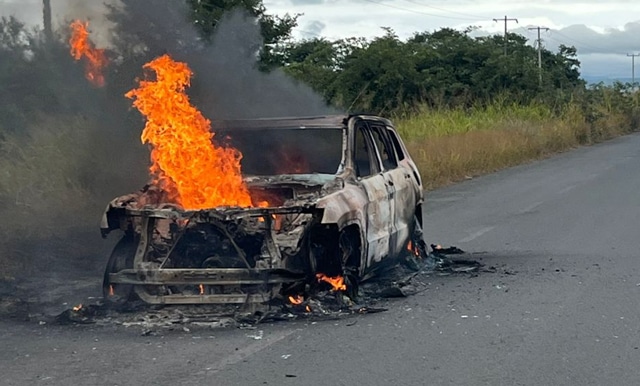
(452, 145)
(52, 192)
(429, 123)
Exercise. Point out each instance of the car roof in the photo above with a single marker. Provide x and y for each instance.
(326, 121)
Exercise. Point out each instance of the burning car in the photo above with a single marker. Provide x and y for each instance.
(332, 200)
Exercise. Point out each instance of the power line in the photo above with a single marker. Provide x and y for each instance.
(506, 20)
(418, 12)
(446, 10)
(585, 45)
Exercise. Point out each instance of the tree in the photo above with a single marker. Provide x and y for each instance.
(444, 68)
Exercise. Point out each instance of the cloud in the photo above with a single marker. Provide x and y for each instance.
(588, 40)
(606, 66)
(613, 41)
(313, 28)
(600, 53)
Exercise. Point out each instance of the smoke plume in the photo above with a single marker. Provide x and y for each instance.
(69, 147)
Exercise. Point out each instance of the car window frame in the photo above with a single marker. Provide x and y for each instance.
(389, 147)
(397, 144)
(374, 159)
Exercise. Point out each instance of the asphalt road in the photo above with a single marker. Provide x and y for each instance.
(561, 308)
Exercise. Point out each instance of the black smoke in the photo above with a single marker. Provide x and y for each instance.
(76, 146)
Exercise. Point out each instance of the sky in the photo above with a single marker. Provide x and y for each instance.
(604, 32)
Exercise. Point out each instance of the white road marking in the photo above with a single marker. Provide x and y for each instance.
(565, 190)
(475, 235)
(248, 351)
(531, 207)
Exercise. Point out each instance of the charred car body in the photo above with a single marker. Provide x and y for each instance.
(343, 195)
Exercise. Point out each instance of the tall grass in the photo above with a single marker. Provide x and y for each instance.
(48, 195)
(451, 145)
(428, 123)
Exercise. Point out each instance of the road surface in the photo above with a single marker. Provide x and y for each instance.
(561, 308)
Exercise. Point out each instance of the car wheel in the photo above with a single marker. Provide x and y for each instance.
(349, 242)
(121, 258)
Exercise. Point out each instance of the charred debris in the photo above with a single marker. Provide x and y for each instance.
(323, 302)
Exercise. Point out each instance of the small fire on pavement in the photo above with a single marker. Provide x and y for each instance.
(297, 299)
(413, 249)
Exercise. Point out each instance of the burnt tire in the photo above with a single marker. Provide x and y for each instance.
(417, 238)
(121, 258)
(349, 244)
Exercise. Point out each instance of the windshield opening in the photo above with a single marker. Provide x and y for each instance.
(286, 151)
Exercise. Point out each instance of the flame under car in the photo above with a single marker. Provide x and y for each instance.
(334, 197)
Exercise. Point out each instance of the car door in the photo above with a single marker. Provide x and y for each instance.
(378, 207)
(399, 185)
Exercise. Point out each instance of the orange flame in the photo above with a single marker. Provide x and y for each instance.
(336, 282)
(296, 299)
(201, 287)
(413, 249)
(77, 308)
(81, 46)
(194, 172)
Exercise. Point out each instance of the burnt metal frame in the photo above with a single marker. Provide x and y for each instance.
(141, 276)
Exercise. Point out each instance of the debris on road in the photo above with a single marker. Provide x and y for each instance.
(324, 303)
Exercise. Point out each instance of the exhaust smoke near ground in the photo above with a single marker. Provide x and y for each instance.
(68, 147)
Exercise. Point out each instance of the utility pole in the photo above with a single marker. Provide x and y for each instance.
(633, 69)
(46, 15)
(539, 52)
(505, 30)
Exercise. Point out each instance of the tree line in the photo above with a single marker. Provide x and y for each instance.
(384, 75)
(388, 75)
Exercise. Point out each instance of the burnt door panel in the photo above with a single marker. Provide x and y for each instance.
(400, 188)
(378, 208)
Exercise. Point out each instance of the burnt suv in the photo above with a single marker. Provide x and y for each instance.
(343, 195)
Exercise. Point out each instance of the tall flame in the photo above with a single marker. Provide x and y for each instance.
(336, 282)
(81, 46)
(194, 172)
